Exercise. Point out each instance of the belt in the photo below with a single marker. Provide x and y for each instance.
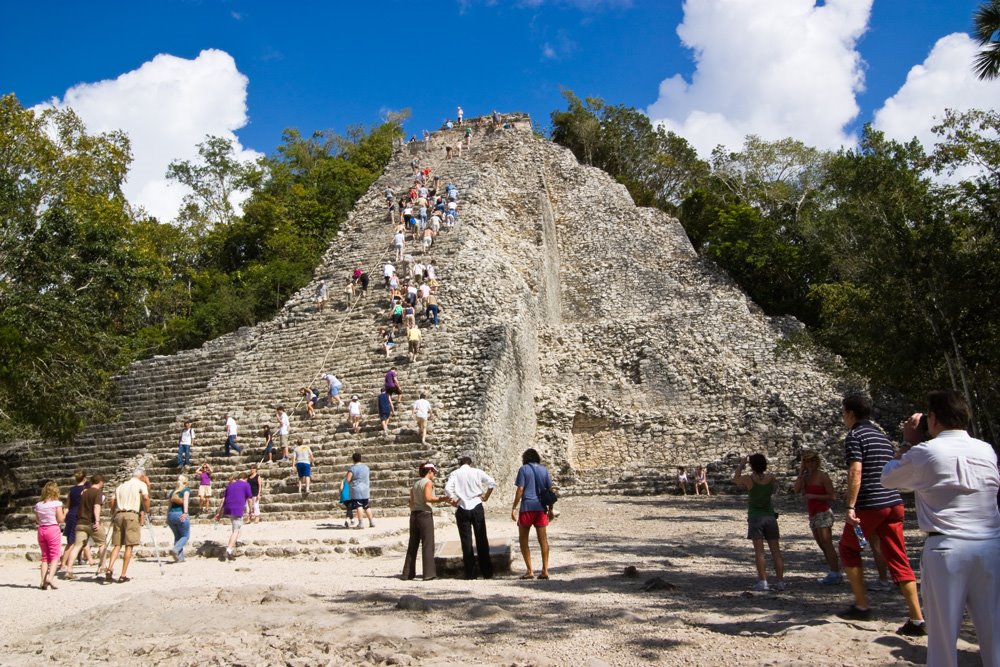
(934, 533)
(127, 512)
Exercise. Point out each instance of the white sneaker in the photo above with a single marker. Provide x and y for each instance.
(761, 586)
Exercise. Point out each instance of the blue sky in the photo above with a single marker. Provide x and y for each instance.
(813, 70)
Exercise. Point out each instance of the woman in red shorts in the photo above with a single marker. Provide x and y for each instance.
(817, 489)
(529, 511)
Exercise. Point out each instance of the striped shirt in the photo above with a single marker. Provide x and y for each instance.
(869, 445)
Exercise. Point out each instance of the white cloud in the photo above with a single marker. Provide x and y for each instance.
(781, 68)
(166, 107)
(944, 80)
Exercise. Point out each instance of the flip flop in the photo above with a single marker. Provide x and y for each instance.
(69, 576)
(527, 576)
(543, 576)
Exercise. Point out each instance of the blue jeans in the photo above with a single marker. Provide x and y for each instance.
(183, 455)
(181, 529)
(231, 444)
(432, 314)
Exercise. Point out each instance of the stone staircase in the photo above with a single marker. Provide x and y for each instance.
(249, 373)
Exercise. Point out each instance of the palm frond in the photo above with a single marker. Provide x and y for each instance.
(986, 64)
(986, 22)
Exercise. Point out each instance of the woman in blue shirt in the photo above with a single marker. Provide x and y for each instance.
(528, 509)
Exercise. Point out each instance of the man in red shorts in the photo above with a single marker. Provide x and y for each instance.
(879, 512)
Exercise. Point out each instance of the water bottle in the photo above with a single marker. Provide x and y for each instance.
(862, 540)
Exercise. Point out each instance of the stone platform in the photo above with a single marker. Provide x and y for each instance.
(448, 557)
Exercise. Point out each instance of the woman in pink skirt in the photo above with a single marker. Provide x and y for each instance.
(49, 512)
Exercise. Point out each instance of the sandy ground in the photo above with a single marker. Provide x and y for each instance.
(338, 608)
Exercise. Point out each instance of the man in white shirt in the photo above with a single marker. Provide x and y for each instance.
(322, 294)
(422, 412)
(333, 386)
(283, 430)
(184, 447)
(955, 481)
(130, 500)
(468, 488)
(387, 272)
(398, 241)
(231, 435)
(354, 413)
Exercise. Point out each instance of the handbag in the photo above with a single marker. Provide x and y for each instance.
(546, 496)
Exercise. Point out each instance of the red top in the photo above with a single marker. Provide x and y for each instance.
(816, 506)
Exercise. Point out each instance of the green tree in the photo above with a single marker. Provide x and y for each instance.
(72, 276)
(213, 182)
(659, 168)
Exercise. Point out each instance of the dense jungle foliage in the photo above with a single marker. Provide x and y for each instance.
(888, 252)
(89, 284)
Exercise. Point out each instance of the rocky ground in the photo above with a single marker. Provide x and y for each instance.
(689, 602)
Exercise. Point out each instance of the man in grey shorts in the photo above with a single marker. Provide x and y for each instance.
(359, 478)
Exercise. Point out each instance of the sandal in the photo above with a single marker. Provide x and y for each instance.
(543, 576)
(69, 576)
(527, 576)
(123, 580)
(108, 577)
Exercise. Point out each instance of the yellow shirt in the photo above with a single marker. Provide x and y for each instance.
(128, 496)
(413, 333)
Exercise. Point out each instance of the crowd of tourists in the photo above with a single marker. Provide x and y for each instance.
(955, 481)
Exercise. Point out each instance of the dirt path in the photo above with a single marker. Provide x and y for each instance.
(340, 609)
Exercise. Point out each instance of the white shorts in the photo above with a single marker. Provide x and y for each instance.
(204, 491)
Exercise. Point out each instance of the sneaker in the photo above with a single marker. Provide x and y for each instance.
(852, 613)
(879, 585)
(912, 629)
(832, 579)
(173, 554)
(761, 585)
(779, 586)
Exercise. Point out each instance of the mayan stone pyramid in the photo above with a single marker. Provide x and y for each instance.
(573, 321)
